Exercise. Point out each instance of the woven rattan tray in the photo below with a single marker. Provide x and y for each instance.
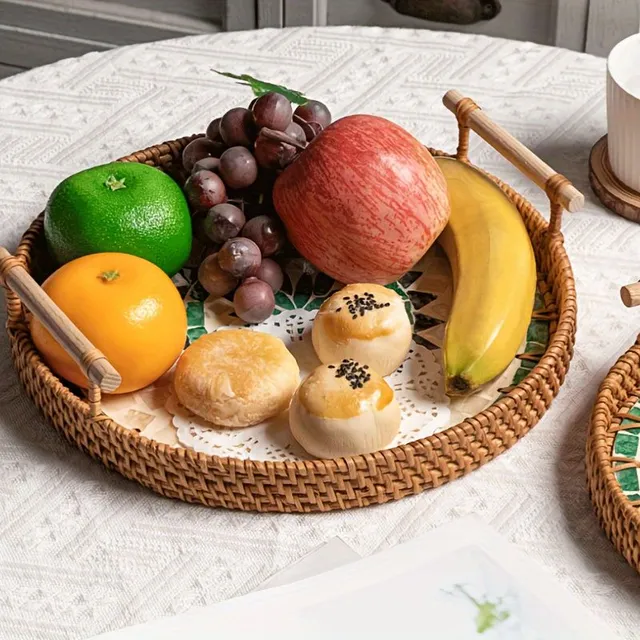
(613, 449)
(314, 485)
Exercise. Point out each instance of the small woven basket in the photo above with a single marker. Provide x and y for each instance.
(314, 485)
(618, 514)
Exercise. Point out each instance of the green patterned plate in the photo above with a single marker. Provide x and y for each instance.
(417, 384)
(627, 445)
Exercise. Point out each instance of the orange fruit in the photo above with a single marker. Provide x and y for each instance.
(127, 307)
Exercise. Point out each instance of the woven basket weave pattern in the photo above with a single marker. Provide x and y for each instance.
(317, 485)
(618, 517)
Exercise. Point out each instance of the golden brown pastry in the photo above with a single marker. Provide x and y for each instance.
(344, 409)
(366, 322)
(236, 377)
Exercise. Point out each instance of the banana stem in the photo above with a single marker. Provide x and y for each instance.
(457, 386)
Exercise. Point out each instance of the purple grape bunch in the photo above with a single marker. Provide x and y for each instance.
(231, 174)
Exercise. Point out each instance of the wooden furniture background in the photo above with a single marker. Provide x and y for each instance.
(37, 32)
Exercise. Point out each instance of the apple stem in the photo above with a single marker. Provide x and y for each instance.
(280, 136)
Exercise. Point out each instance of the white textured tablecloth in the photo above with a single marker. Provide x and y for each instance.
(83, 550)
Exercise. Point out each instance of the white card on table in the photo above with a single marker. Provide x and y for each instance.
(330, 555)
(460, 582)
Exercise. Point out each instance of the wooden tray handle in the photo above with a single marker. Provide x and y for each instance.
(631, 294)
(92, 362)
(559, 190)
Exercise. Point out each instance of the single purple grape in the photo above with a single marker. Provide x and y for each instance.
(311, 129)
(314, 111)
(272, 110)
(222, 222)
(215, 280)
(254, 301)
(295, 131)
(213, 130)
(197, 150)
(210, 164)
(267, 232)
(271, 154)
(238, 127)
(271, 273)
(238, 168)
(240, 257)
(204, 190)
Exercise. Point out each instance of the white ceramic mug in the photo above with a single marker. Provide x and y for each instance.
(623, 111)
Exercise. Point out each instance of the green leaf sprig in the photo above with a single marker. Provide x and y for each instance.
(260, 87)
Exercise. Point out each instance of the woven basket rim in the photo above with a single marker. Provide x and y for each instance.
(559, 347)
(600, 469)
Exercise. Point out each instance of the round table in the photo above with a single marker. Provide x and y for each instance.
(84, 551)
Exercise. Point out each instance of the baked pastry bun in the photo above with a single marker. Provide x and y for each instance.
(236, 377)
(365, 322)
(344, 409)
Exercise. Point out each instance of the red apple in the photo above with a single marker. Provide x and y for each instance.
(364, 201)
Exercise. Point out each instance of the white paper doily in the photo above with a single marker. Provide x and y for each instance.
(418, 383)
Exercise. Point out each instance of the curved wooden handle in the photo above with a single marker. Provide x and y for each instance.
(631, 294)
(92, 362)
(514, 151)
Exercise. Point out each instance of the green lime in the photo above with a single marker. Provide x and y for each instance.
(123, 207)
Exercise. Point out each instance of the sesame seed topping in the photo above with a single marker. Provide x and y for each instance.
(359, 305)
(355, 373)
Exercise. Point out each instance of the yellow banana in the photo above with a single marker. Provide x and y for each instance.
(494, 276)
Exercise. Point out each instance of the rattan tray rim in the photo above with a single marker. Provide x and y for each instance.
(69, 396)
(445, 451)
(618, 517)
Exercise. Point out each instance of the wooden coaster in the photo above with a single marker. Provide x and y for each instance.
(611, 192)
